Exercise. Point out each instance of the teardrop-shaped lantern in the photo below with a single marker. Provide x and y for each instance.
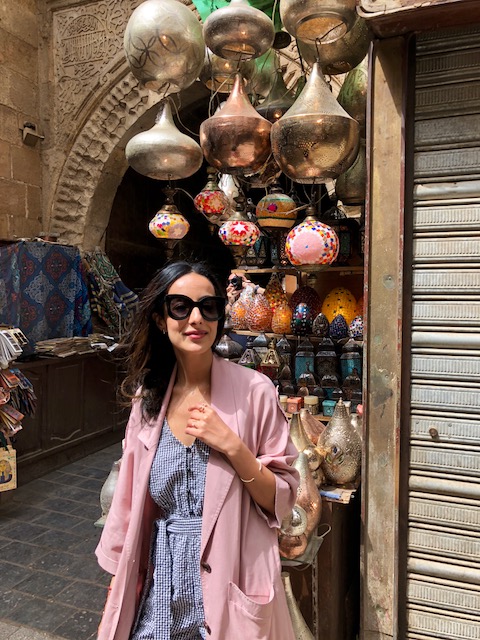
(276, 209)
(218, 74)
(317, 20)
(211, 201)
(168, 223)
(316, 139)
(238, 232)
(353, 95)
(236, 139)
(350, 187)
(311, 242)
(342, 55)
(238, 31)
(278, 101)
(164, 46)
(163, 152)
(265, 68)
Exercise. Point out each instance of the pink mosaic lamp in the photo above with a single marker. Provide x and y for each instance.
(311, 244)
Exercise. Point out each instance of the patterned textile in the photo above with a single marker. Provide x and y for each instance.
(111, 300)
(172, 606)
(43, 290)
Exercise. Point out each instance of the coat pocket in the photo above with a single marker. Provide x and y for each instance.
(249, 618)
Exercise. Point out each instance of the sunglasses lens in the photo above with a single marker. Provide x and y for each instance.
(179, 308)
(212, 308)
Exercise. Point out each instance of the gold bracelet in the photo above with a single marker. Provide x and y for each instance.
(252, 479)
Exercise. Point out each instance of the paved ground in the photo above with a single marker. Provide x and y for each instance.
(50, 584)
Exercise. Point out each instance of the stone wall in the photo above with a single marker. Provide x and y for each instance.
(20, 164)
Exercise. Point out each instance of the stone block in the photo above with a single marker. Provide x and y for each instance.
(5, 160)
(34, 202)
(18, 56)
(26, 165)
(9, 130)
(5, 235)
(25, 227)
(12, 198)
(19, 18)
(22, 94)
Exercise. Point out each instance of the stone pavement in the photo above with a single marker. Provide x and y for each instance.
(51, 586)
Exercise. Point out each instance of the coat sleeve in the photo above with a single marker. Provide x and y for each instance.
(112, 540)
(275, 450)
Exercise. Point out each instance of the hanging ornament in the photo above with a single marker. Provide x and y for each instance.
(350, 187)
(164, 46)
(274, 292)
(276, 209)
(259, 314)
(282, 318)
(342, 55)
(238, 232)
(278, 101)
(339, 301)
(316, 139)
(218, 74)
(353, 94)
(236, 139)
(317, 20)
(238, 31)
(311, 243)
(163, 152)
(168, 223)
(211, 201)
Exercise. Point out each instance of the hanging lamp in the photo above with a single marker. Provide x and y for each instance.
(317, 20)
(211, 201)
(163, 152)
(350, 187)
(164, 46)
(276, 209)
(353, 95)
(236, 139)
(238, 31)
(218, 74)
(278, 101)
(311, 243)
(316, 139)
(168, 223)
(342, 55)
(238, 233)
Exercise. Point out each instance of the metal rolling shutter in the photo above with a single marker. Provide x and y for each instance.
(443, 582)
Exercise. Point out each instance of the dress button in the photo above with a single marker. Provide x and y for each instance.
(206, 567)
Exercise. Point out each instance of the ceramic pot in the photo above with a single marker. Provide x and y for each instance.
(107, 491)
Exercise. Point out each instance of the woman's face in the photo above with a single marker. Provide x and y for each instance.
(193, 334)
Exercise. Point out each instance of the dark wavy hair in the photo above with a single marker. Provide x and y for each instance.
(148, 353)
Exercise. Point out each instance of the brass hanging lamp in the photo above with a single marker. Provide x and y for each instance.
(278, 101)
(218, 74)
(317, 20)
(163, 152)
(316, 139)
(238, 31)
(236, 139)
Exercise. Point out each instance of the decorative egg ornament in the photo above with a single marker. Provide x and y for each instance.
(311, 242)
(302, 320)
(340, 301)
(338, 328)
(355, 329)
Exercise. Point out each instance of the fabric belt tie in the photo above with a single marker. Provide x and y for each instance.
(184, 526)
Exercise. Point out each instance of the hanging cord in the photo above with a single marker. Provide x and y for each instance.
(197, 135)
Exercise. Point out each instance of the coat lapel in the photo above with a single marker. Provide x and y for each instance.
(220, 473)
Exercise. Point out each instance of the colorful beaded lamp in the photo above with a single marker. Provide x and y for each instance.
(311, 243)
(211, 201)
(168, 223)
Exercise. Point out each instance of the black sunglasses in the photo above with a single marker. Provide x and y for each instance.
(180, 307)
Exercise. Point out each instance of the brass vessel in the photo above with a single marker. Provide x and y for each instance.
(300, 627)
(353, 94)
(308, 496)
(316, 139)
(317, 20)
(218, 74)
(350, 187)
(236, 139)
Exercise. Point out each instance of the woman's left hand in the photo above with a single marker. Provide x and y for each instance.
(205, 423)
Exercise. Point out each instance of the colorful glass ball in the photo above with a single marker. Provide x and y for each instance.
(276, 210)
(211, 202)
(302, 320)
(274, 292)
(355, 329)
(339, 301)
(311, 242)
(259, 314)
(338, 328)
(239, 232)
(168, 226)
(238, 314)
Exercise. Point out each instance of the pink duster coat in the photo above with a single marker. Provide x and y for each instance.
(240, 567)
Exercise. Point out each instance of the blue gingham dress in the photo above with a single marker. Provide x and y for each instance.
(172, 604)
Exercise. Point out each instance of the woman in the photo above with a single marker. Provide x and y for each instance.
(204, 482)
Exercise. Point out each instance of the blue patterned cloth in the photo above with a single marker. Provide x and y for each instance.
(43, 290)
(172, 604)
